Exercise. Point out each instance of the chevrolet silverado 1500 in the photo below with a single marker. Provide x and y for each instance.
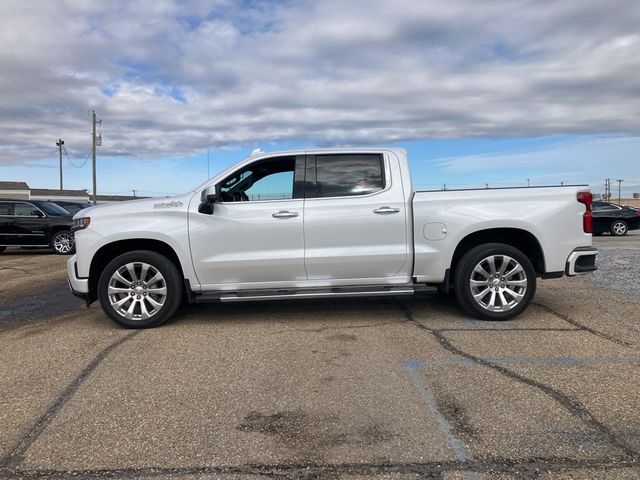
(327, 223)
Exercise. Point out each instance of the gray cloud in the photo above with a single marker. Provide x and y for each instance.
(167, 77)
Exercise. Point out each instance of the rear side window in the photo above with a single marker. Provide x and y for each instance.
(348, 175)
(5, 208)
(25, 210)
(605, 206)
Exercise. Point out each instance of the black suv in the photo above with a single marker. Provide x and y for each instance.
(32, 223)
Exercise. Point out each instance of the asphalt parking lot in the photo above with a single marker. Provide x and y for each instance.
(349, 389)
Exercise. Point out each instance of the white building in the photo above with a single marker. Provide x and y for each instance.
(21, 191)
(81, 196)
(17, 190)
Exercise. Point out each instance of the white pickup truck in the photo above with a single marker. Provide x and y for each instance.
(327, 223)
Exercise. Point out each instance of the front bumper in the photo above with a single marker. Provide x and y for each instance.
(581, 260)
(78, 286)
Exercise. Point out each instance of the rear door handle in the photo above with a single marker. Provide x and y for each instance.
(386, 210)
(285, 214)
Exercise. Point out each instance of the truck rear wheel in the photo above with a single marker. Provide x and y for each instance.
(494, 281)
(140, 289)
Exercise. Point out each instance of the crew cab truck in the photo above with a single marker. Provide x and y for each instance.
(327, 223)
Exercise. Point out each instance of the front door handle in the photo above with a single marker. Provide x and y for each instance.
(386, 210)
(285, 214)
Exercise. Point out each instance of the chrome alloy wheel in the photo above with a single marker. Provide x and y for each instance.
(619, 228)
(137, 291)
(63, 243)
(498, 283)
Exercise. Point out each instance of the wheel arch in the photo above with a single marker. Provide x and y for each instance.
(108, 252)
(523, 240)
(58, 228)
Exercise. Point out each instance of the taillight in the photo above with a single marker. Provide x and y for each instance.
(587, 220)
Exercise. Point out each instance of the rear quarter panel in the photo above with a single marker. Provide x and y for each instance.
(551, 214)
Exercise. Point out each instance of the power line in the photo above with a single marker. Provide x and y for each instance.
(31, 117)
(84, 107)
(64, 149)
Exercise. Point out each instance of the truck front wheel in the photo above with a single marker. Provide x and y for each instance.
(140, 289)
(494, 281)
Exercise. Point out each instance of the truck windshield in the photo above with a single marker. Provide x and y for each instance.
(53, 209)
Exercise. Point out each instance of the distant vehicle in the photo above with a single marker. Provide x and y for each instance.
(72, 207)
(615, 219)
(327, 223)
(33, 224)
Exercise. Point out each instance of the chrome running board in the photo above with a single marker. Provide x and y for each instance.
(290, 294)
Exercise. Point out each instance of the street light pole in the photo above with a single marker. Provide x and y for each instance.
(59, 144)
(619, 190)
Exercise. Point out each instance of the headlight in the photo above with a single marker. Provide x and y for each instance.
(80, 223)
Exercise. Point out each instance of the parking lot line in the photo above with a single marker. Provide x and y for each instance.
(460, 452)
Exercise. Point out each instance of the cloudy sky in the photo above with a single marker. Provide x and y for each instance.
(491, 91)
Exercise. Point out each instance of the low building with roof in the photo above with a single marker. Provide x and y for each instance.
(81, 196)
(22, 191)
(17, 190)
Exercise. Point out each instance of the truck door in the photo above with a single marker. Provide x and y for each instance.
(355, 218)
(253, 239)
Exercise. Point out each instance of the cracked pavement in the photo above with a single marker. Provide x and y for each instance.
(350, 389)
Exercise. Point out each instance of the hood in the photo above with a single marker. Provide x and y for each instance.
(143, 205)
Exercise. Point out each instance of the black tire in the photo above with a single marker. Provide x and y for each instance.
(619, 228)
(63, 243)
(463, 274)
(2, 249)
(171, 277)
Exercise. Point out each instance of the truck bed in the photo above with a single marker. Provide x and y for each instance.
(551, 214)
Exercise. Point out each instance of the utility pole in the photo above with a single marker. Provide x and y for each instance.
(528, 183)
(619, 190)
(93, 149)
(59, 144)
(134, 193)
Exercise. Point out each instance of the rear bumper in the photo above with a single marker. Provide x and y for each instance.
(581, 260)
(78, 286)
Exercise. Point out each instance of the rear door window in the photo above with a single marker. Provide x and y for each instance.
(25, 210)
(348, 175)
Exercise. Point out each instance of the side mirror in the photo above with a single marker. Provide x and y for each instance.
(38, 213)
(207, 198)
